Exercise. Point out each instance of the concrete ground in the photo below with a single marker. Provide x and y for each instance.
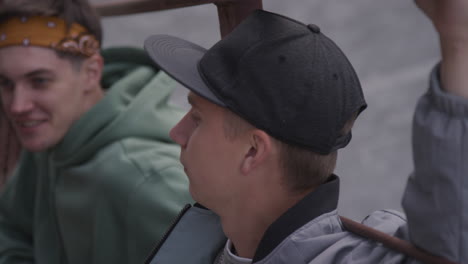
(390, 43)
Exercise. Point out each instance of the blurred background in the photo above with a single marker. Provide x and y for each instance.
(392, 47)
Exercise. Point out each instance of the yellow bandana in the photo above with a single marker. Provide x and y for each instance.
(49, 32)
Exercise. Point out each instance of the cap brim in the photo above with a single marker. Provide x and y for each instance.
(179, 59)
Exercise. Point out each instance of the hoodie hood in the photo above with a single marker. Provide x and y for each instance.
(136, 93)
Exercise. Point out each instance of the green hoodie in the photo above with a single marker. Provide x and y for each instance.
(108, 191)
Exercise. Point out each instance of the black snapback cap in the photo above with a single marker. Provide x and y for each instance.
(282, 76)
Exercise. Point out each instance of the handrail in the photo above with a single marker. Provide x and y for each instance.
(127, 7)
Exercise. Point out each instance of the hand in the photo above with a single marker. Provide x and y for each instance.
(450, 17)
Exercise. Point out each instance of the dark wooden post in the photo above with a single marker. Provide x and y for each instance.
(232, 13)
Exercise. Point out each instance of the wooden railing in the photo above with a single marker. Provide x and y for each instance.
(230, 13)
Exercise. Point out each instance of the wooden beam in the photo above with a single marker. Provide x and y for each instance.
(127, 7)
(232, 13)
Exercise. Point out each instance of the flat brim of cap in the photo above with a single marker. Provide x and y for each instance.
(179, 59)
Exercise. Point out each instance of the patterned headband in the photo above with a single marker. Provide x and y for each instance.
(49, 32)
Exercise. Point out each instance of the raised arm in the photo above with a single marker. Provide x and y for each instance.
(436, 196)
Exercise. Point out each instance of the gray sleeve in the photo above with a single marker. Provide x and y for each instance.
(436, 195)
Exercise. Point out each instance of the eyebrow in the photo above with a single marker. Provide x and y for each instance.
(191, 99)
(31, 74)
(38, 72)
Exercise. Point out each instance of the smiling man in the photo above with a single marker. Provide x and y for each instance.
(272, 104)
(44, 94)
(99, 180)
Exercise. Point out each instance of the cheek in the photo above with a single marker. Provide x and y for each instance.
(67, 101)
(52, 104)
(198, 151)
(6, 98)
(212, 156)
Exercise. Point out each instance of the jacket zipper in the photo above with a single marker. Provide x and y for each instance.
(168, 232)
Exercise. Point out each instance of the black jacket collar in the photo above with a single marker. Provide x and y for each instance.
(322, 200)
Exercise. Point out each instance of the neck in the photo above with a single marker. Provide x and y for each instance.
(246, 224)
(245, 231)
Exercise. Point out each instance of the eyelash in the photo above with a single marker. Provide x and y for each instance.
(39, 82)
(6, 85)
(196, 119)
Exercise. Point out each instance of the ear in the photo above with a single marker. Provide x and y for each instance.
(260, 148)
(92, 71)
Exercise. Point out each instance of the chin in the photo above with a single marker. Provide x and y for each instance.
(193, 194)
(34, 146)
(196, 197)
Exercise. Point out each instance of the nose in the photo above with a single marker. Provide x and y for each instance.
(18, 102)
(180, 132)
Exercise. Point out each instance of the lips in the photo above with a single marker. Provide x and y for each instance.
(28, 126)
(29, 123)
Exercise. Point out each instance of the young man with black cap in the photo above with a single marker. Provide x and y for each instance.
(99, 180)
(271, 104)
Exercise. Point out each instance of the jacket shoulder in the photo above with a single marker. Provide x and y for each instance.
(324, 240)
